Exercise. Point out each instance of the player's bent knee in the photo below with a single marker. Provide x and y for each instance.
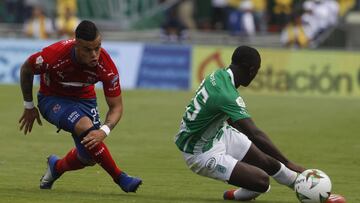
(83, 125)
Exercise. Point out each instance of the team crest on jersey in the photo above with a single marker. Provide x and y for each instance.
(39, 60)
(240, 102)
(56, 108)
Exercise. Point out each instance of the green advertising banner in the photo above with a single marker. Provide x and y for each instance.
(295, 72)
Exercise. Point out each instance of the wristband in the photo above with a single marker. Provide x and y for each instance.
(29, 105)
(106, 129)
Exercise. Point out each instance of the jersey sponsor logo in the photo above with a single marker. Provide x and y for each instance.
(56, 108)
(221, 169)
(115, 79)
(210, 163)
(240, 102)
(75, 84)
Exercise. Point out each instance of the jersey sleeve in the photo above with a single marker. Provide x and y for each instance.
(111, 80)
(40, 61)
(234, 107)
(37, 63)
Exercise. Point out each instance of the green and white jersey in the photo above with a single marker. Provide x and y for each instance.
(215, 101)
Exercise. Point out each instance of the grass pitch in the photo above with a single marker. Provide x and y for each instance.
(318, 133)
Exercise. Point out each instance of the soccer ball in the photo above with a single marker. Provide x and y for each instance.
(312, 186)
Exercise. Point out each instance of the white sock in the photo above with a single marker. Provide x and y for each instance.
(243, 194)
(285, 176)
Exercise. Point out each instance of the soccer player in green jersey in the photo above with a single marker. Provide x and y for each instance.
(219, 139)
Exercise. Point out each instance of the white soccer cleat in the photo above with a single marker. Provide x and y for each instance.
(50, 176)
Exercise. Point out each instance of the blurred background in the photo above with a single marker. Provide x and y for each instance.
(173, 44)
(270, 23)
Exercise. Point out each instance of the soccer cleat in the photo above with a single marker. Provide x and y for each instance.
(242, 194)
(50, 175)
(334, 198)
(128, 183)
(229, 194)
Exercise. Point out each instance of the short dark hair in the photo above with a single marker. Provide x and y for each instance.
(86, 30)
(246, 55)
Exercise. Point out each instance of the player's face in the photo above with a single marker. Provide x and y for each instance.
(248, 75)
(88, 52)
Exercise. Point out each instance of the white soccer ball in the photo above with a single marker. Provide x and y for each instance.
(312, 186)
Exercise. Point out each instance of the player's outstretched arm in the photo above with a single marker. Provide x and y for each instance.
(30, 112)
(263, 142)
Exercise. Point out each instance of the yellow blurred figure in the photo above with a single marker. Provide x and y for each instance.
(38, 26)
(259, 5)
(283, 6)
(345, 6)
(67, 24)
(63, 5)
(234, 3)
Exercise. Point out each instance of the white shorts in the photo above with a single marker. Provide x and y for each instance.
(219, 162)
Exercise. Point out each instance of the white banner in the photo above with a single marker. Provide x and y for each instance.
(13, 53)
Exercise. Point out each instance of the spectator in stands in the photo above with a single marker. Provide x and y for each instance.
(346, 5)
(185, 11)
(240, 18)
(173, 30)
(247, 18)
(38, 26)
(293, 35)
(62, 7)
(67, 24)
(319, 17)
(280, 14)
(259, 13)
(219, 14)
(29, 6)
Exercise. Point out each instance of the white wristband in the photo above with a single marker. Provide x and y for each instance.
(29, 105)
(106, 129)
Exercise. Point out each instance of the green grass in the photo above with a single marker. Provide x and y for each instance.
(315, 132)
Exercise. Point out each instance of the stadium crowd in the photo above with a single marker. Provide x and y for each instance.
(299, 21)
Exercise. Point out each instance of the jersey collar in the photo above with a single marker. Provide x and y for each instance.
(231, 76)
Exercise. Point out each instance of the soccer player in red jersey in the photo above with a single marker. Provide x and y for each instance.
(68, 71)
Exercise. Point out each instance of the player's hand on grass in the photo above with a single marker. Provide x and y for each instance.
(295, 167)
(93, 138)
(27, 119)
